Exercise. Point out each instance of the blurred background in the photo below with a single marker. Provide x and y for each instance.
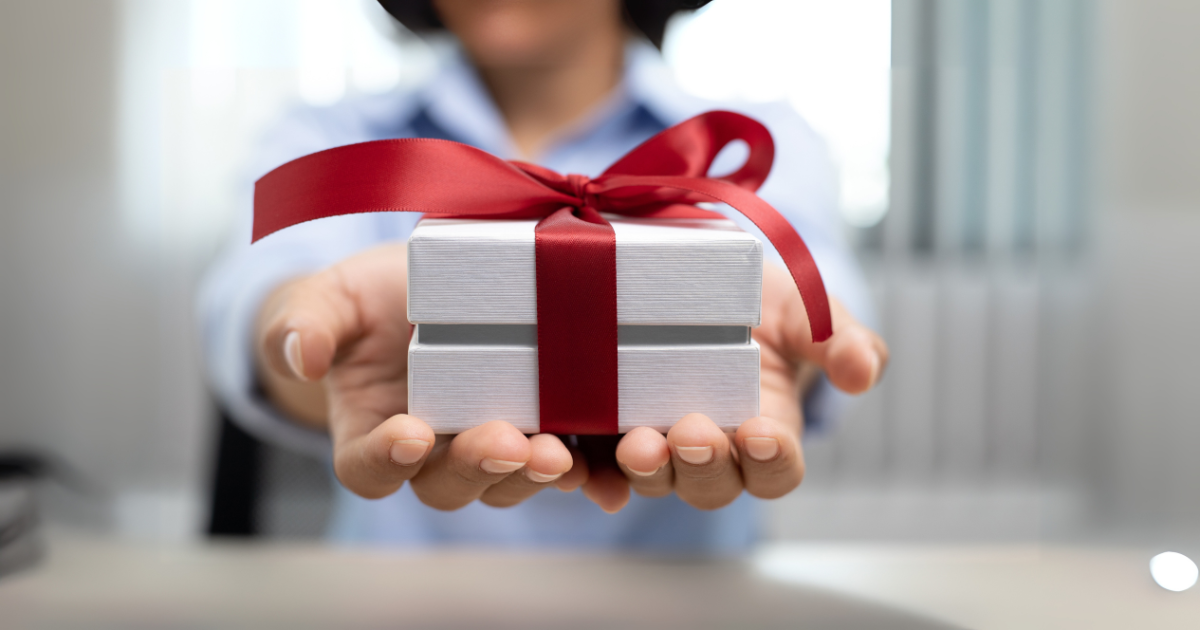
(1020, 177)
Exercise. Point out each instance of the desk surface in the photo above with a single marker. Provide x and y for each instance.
(90, 583)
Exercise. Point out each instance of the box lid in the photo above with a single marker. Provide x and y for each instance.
(669, 272)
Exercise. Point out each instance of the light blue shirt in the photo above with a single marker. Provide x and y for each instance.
(454, 105)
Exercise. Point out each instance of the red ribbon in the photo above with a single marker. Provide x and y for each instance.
(575, 247)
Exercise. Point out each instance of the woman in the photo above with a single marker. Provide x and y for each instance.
(306, 346)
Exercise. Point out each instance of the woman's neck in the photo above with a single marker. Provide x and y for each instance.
(538, 102)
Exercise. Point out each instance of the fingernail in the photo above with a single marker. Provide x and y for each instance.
(761, 448)
(876, 367)
(695, 455)
(538, 477)
(499, 466)
(291, 350)
(643, 473)
(408, 452)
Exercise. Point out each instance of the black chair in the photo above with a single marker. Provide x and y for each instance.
(262, 490)
(237, 482)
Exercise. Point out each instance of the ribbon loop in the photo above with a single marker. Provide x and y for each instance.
(689, 148)
(575, 247)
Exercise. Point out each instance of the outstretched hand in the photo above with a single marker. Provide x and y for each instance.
(332, 353)
(707, 467)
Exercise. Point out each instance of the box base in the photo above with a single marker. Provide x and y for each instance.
(456, 387)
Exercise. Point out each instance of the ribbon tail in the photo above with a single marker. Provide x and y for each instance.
(435, 177)
(796, 255)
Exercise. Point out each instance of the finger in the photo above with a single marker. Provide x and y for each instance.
(606, 485)
(644, 457)
(459, 471)
(549, 461)
(706, 476)
(577, 476)
(375, 464)
(607, 488)
(304, 324)
(772, 461)
(853, 358)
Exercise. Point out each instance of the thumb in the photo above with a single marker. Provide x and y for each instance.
(303, 324)
(853, 358)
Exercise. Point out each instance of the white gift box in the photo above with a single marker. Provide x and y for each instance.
(688, 292)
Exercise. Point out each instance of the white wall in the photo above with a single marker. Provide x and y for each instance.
(1148, 468)
(96, 342)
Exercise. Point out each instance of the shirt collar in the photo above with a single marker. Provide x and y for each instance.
(456, 100)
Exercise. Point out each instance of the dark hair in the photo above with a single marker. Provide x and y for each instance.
(647, 16)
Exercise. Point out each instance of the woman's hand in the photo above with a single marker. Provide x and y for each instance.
(333, 353)
(709, 468)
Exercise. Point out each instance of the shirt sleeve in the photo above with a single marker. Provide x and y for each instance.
(237, 283)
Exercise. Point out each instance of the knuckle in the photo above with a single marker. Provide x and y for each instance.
(525, 483)
(707, 473)
(372, 493)
(363, 488)
(498, 501)
(709, 501)
(653, 486)
(442, 501)
(471, 477)
(770, 491)
(504, 499)
(775, 486)
(651, 490)
(343, 471)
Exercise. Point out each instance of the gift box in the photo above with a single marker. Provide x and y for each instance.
(688, 293)
(569, 304)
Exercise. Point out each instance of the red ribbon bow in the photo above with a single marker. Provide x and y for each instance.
(575, 247)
